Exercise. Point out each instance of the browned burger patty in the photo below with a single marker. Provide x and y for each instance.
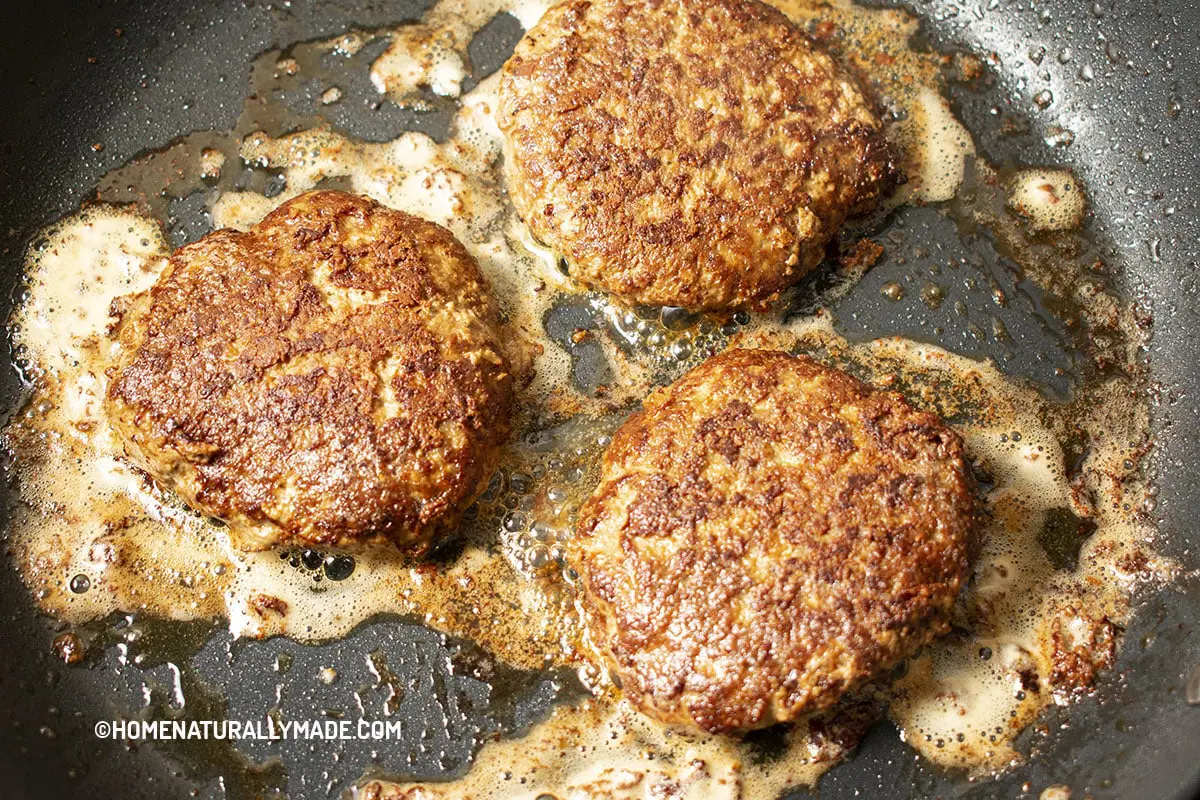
(331, 376)
(695, 153)
(767, 534)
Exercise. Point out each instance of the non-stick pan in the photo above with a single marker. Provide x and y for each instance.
(87, 85)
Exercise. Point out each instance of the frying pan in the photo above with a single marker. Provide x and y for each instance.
(135, 74)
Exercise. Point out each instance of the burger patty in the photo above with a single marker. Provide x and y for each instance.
(767, 534)
(695, 153)
(333, 375)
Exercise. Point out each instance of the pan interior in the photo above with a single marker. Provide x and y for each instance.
(455, 697)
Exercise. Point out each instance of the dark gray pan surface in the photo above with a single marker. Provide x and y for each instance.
(181, 67)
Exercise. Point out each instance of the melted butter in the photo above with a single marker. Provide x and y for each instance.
(432, 54)
(605, 749)
(1051, 199)
(938, 166)
(505, 583)
(74, 272)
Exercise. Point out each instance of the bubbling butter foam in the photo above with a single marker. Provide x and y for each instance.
(432, 54)
(1051, 199)
(936, 169)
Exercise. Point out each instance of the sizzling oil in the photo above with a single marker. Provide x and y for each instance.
(1063, 552)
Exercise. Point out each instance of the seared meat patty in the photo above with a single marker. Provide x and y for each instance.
(695, 153)
(331, 376)
(767, 534)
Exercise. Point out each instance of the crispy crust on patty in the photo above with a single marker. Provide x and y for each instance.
(331, 376)
(767, 534)
(686, 153)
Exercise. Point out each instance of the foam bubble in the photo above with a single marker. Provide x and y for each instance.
(1051, 199)
(936, 166)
